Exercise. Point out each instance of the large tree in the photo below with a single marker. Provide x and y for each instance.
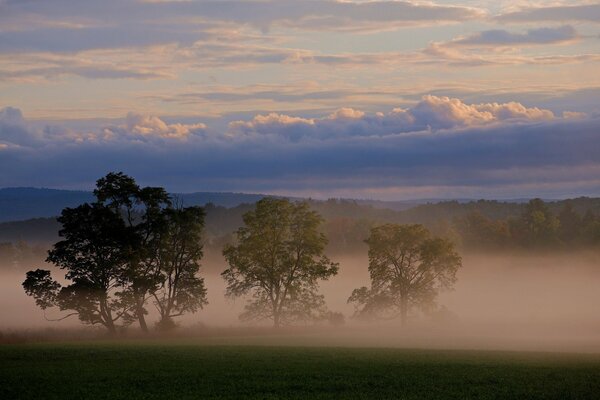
(128, 246)
(408, 268)
(181, 289)
(142, 210)
(94, 254)
(278, 259)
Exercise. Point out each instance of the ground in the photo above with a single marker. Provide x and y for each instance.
(188, 370)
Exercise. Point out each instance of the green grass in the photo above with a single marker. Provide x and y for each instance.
(188, 371)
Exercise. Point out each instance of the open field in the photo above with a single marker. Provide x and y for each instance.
(188, 370)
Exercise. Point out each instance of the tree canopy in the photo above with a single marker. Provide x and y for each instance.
(118, 252)
(278, 259)
(408, 268)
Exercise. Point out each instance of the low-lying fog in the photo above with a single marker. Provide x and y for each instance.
(499, 302)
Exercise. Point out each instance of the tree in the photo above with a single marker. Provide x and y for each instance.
(537, 225)
(92, 252)
(120, 251)
(278, 259)
(480, 232)
(181, 290)
(408, 268)
(142, 211)
(570, 224)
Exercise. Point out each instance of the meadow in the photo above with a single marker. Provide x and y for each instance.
(196, 370)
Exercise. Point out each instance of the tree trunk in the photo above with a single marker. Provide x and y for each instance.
(141, 319)
(166, 324)
(111, 328)
(106, 317)
(276, 321)
(403, 311)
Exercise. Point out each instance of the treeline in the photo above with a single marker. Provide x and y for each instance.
(484, 225)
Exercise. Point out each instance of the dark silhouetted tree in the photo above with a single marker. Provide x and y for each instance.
(122, 250)
(181, 290)
(92, 253)
(142, 211)
(278, 259)
(408, 268)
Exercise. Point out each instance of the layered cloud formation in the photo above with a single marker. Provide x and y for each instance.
(326, 97)
(431, 114)
(438, 147)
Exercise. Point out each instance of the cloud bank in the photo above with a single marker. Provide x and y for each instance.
(430, 114)
(438, 147)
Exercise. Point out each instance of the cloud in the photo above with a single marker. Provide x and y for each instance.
(278, 93)
(150, 127)
(439, 145)
(481, 160)
(16, 130)
(11, 116)
(582, 12)
(430, 114)
(500, 37)
(13, 129)
(89, 72)
(76, 39)
(128, 22)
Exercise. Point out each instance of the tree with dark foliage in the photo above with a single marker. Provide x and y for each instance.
(122, 250)
(94, 252)
(180, 252)
(142, 211)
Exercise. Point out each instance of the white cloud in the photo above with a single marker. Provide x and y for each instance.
(16, 130)
(431, 113)
(152, 126)
(148, 127)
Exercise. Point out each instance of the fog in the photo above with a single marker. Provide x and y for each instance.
(504, 302)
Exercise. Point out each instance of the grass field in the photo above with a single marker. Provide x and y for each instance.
(190, 371)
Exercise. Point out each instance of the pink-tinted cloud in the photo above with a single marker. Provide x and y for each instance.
(431, 113)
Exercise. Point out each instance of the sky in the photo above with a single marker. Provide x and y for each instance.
(382, 99)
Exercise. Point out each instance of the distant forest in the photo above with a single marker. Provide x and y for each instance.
(482, 225)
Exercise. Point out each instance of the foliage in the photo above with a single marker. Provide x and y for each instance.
(180, 252)
(142, 211)
(278, 260)
(116, 253)
(407, 268)
(94, 253)
(481, 225)
(42, 287)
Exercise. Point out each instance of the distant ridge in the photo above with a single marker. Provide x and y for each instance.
(22, 203)
(26, 203)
